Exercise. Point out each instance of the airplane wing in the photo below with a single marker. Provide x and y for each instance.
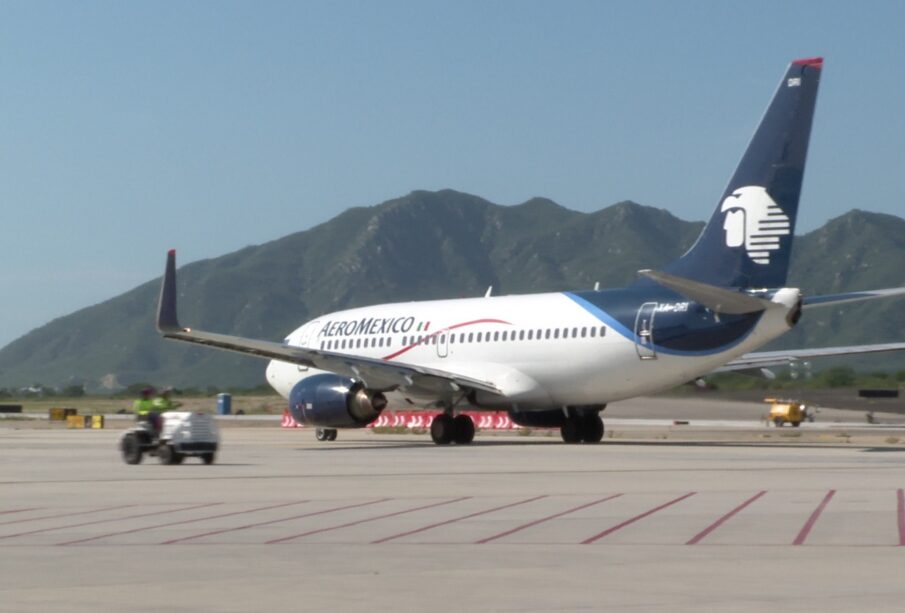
(763, 359)
(376, 374)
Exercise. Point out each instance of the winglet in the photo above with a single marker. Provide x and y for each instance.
(167, 321)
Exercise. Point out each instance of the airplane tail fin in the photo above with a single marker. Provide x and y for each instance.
(748, 240)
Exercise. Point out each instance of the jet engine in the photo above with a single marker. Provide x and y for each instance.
(333, 401)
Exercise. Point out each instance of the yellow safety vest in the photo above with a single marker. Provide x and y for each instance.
(143, 406)
(162, 404)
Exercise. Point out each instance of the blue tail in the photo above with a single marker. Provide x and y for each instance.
(748, 240)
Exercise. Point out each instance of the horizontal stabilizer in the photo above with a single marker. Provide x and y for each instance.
(813, 302)
(717, 299)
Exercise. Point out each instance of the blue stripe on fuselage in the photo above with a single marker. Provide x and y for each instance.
(695, 332)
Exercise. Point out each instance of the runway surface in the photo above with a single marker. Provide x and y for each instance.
(510, 523)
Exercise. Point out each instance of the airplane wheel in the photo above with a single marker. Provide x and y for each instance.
(592, 431)
(442, 429)
(571, 430)
(325, 434)
(463, 429)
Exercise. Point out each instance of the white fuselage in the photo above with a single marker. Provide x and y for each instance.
(541, 350)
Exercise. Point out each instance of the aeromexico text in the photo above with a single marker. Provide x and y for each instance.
(372, 325)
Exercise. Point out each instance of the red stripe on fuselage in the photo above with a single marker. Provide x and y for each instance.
(447, 329)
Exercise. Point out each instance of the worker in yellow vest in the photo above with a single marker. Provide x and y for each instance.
(163, 403)
(144, 405)
(145, 410)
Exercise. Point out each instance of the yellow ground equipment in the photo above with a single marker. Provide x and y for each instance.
(786, 412)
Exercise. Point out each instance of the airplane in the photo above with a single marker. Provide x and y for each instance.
(557, 359)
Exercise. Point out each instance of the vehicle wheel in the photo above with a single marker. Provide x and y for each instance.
(131, 449)
(208, 458)
(592, 430)
(178, 458)
(442, 429)
(331, 434)
(463, 429)
(778, 422)
(166, 454)
(321, 434)
(571, 430)
(795, 424)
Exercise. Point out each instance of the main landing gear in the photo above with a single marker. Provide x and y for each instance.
(446, 429)
(582, 427)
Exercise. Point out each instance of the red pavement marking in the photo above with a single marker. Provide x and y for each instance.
(901, 515)
(543, 519)
(274, 521)
(184, 521)
(700, 535)
(102, 509)
(18, 511)
(101, 521)
(608, 531)
(362, 521)
(450, 521)
(806, 529)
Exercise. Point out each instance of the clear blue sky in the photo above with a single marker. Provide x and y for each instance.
(127, 128)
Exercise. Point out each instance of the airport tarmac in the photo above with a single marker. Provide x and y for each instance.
(707, 518)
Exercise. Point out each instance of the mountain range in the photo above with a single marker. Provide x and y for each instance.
(434, 245)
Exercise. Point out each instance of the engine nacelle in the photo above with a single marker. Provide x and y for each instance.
(333, 401)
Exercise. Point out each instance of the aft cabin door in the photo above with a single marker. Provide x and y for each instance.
(644, 331)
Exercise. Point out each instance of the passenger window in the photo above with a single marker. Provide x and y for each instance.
(574, 332)
(452, 339)
(479, 337)
(496, 336)
(530, 334)
(442, 338)
(471, 337)
(593, 332)
(344, 344)
(521, 335)
(602, 330)
(584, 332)
(547, 334)
(555, 332)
